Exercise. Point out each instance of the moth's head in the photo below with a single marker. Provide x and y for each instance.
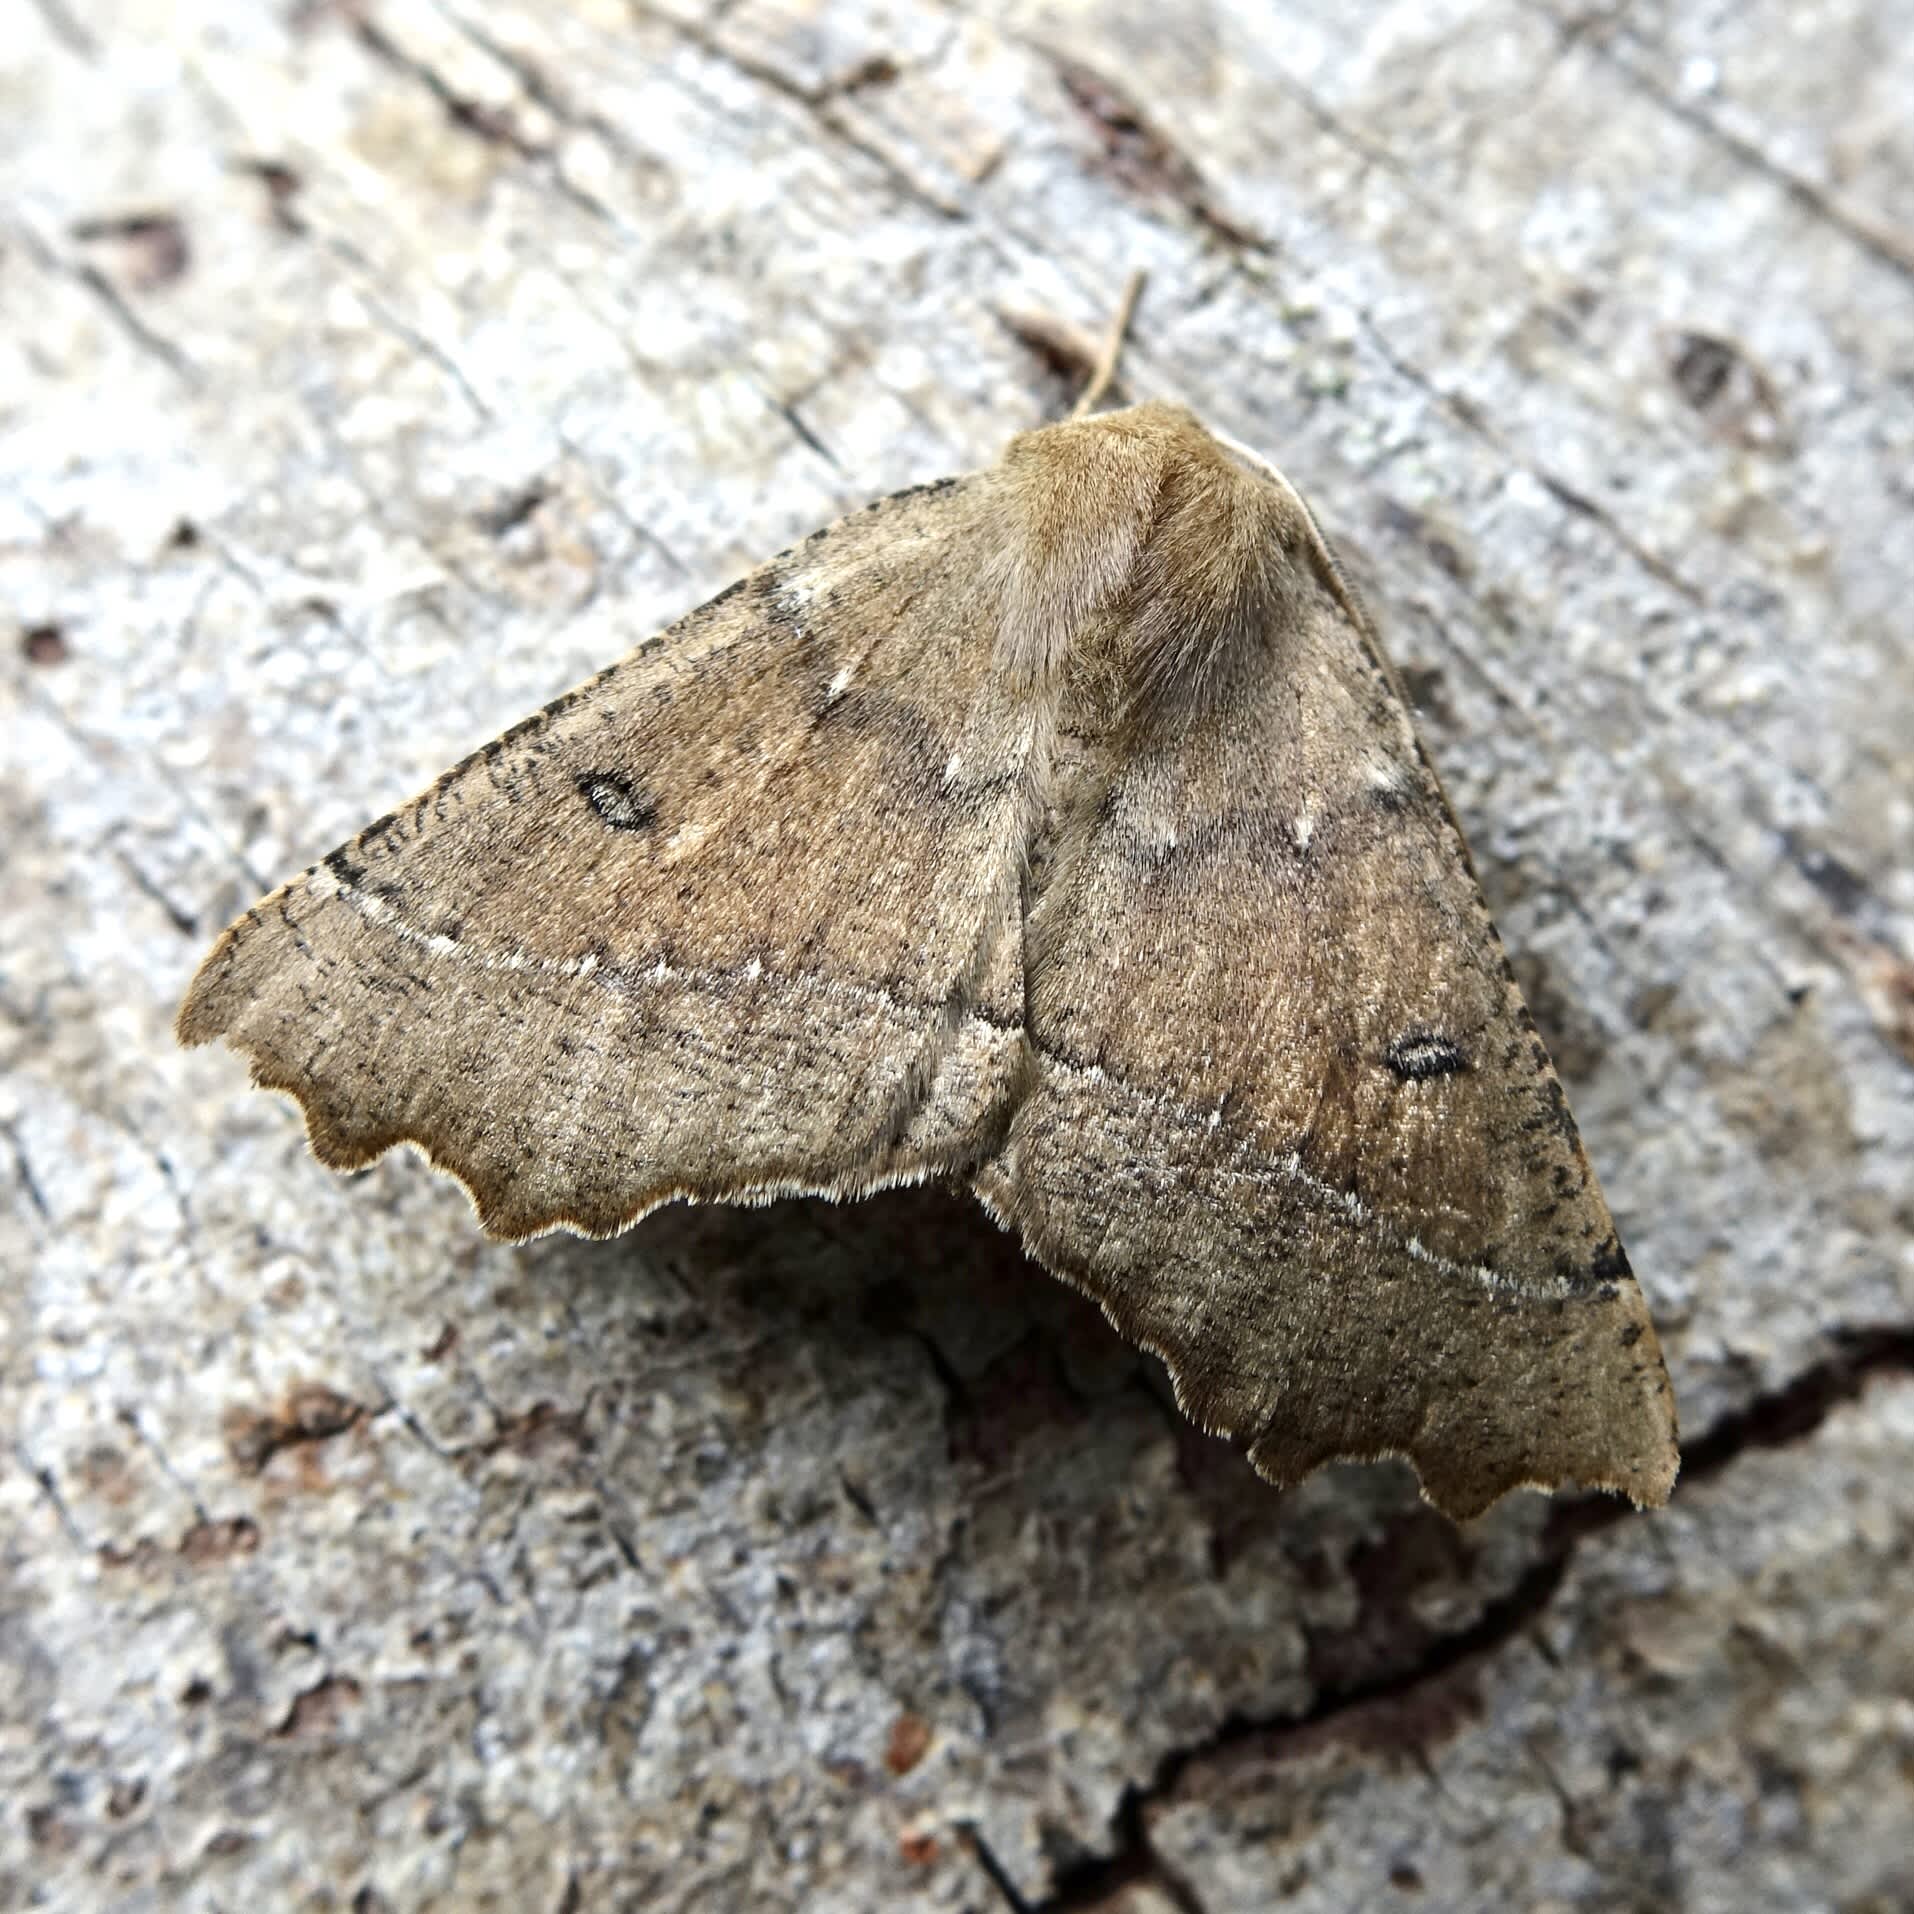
(1138, 554)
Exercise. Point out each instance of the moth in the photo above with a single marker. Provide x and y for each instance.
(1061, 831)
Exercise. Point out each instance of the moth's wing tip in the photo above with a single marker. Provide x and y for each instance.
(1652, 1488)
(1464, 1492)
(1646, 1484)
(191, 1027)
(233, 971)
(1620, 1436)
(200, 1018)
(346, 1153)
(1638, 1457)
(1634, 1453)
(1650, 1482)
(190, 1030)
(1643, 1456)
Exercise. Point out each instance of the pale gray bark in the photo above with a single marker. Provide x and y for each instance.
(368, 373)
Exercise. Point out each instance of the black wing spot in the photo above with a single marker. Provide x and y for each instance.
(617, 800)
(1610, 1262)
(1419, 1054)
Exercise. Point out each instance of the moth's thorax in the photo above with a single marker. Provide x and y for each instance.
(1134, 555)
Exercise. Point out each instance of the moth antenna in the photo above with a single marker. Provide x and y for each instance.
(1105, 369)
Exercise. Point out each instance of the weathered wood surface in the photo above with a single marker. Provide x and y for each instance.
(368, 373)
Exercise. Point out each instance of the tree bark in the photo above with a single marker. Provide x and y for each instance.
(370, 371)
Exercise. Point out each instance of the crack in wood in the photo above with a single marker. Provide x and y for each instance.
(1788, 1415)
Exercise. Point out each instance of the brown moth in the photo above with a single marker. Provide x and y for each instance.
(1059, 830)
